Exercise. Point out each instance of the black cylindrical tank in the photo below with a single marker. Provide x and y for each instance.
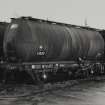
(3, 26)
(33, 41)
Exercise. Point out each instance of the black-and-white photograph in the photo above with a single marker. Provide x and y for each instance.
(52, 52)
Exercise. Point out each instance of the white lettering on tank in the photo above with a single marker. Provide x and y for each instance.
(40, 53)
(41, 47)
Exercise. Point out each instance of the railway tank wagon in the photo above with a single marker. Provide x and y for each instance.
(43, 47)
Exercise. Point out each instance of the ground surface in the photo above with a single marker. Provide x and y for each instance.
(85, 93)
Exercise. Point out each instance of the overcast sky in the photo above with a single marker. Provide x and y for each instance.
(68, 11)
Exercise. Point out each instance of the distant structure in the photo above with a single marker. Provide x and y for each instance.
(85, 22)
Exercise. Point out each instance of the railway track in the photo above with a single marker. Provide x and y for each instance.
(8, 91)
